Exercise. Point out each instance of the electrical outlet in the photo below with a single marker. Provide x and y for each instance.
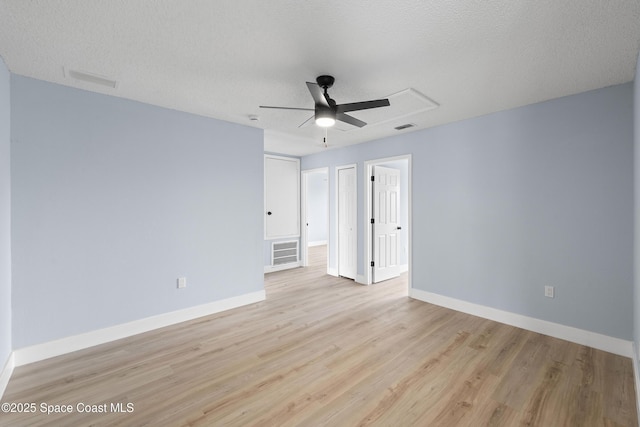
(548, 291)
(182, 282)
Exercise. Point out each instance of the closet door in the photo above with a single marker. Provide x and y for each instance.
(282, 197)
(347, 222)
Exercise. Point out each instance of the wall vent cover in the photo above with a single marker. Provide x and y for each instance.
(405, 126)
(91, 78)
(284, 252)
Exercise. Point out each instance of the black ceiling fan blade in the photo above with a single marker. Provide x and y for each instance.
(287, 108)
(317, 94)
(307, 121)
(350, 119)
(365, 105)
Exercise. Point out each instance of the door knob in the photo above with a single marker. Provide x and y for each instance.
(269, 213)
(398, 228)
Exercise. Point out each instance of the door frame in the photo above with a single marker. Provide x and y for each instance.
(337, 217)
(304, 236)
(367, 277)
(387, 257)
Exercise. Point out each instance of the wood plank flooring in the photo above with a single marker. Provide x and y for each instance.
(324, 351)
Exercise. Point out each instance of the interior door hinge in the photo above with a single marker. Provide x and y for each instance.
(371, 263)
(373, 178)
(372, 221)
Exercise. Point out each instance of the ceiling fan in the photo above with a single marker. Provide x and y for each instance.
(326, 111)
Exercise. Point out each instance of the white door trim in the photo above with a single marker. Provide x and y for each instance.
(304, 241)
(368, 170)
(337, 215)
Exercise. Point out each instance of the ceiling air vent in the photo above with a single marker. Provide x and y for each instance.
(91, 78)
(405, 126)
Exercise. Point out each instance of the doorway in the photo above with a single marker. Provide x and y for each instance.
(315, 217)
(402, 239)
(385, 223)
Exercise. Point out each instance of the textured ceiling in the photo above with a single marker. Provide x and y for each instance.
(224, 59)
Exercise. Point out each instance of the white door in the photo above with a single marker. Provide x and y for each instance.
(386, 226)
(282, 197)
(347, 226)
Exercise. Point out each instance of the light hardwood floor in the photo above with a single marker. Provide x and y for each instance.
(325, 351)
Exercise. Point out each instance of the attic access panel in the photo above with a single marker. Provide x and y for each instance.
(405, 103)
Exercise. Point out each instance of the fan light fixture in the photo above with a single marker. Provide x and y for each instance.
(325, 118)
(325, 122)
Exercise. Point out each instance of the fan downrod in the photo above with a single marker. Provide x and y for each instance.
(325, 82)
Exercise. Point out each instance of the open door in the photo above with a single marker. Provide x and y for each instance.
(386, 223)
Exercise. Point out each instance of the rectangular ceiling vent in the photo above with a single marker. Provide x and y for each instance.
(405, 126)
(91, 78)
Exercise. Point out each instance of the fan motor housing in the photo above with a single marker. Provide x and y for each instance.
(325, 82)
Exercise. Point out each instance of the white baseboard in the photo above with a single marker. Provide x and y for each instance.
(61, 346)
(568, 333)
(404, 268)
(274, 268)
(5, 375)
(636, 374)
(332, 271)
(317, 243)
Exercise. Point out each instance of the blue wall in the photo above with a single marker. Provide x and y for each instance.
(507, 203)
(5, 216)
(113, 200)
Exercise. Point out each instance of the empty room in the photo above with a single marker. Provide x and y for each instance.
(320, 213)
